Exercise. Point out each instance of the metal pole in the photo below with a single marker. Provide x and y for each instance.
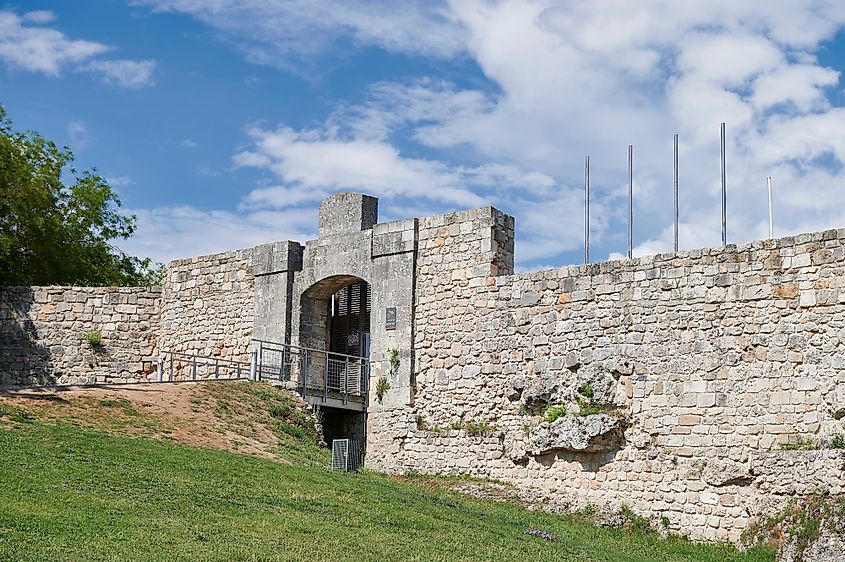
(304, 372)
(326, 379)
(346, 382)
(170, 378)
(194, 366)
(724, 192)
(771, 223)
(630, 201)
(282, 364)
(587, 210)
(675, 160)
(160, 369)
(260, 361)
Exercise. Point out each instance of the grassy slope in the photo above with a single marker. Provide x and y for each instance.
(72, 493)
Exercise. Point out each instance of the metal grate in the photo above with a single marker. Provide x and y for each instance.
(340, 454)
(347, 454)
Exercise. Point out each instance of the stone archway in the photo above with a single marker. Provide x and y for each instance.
(334, 319)
(335, 316)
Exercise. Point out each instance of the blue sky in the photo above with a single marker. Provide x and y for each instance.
(222, 123)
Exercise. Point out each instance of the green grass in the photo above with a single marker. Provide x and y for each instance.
(69, 493)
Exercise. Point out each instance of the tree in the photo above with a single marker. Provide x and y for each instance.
(52, 233)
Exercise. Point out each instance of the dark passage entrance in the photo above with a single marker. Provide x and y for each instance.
(346, 424)
(349, 324)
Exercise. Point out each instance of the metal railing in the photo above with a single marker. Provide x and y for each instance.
(176, 366)
(315, 372)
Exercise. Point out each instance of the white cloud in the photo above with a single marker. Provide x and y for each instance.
(270, 32)
(188, 143)
(571, 78)
(38, 16)
(119, 181)
(80, 138)
(41, 49)
(26, 45)
(318, 160)
(170, 233)
(132, 74)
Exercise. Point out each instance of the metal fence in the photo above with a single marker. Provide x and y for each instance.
(313, 371)
(175, 366)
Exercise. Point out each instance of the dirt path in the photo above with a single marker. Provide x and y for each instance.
(203, 414)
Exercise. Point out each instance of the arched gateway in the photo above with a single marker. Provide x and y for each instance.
(338, 308)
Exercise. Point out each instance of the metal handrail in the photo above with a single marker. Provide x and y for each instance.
(319, 373)
(192, 361)
(265, 343)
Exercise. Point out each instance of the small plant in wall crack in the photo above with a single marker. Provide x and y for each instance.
(382, 386)
(393, 359)
(94, 339)
(587, 404)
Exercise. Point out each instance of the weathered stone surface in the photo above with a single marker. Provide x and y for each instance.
(588, 434)
(610, 515)
(42, 334)
(836, 402)
(725, 472)
(829, 546)
(539, 390)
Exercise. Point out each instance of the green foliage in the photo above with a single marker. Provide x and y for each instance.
(587, 391)
(57, 233)
(474, 428)
(393, 359)
(588, 406)
(94, 339)
(635, 523)
(479, 428)
(837, 441)
(382, 386)
(119, 404)
(69, 493)
(14, 414)
(801, 521)
(554, 411)
(799, 444)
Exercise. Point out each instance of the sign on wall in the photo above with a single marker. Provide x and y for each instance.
(390, 318)
(353, 339)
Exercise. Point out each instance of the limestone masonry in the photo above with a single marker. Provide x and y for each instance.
(672, 383)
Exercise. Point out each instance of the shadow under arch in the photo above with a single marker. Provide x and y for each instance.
(334, 315)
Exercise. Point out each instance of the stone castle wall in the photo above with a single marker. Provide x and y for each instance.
(42, 334)
(699, 367)
(205, 307)
(672, 383)
(208, 306)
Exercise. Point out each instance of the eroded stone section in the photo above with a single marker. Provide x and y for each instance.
(787, 473)
(586, 434)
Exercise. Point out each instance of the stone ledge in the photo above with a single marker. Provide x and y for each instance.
(276, 257)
